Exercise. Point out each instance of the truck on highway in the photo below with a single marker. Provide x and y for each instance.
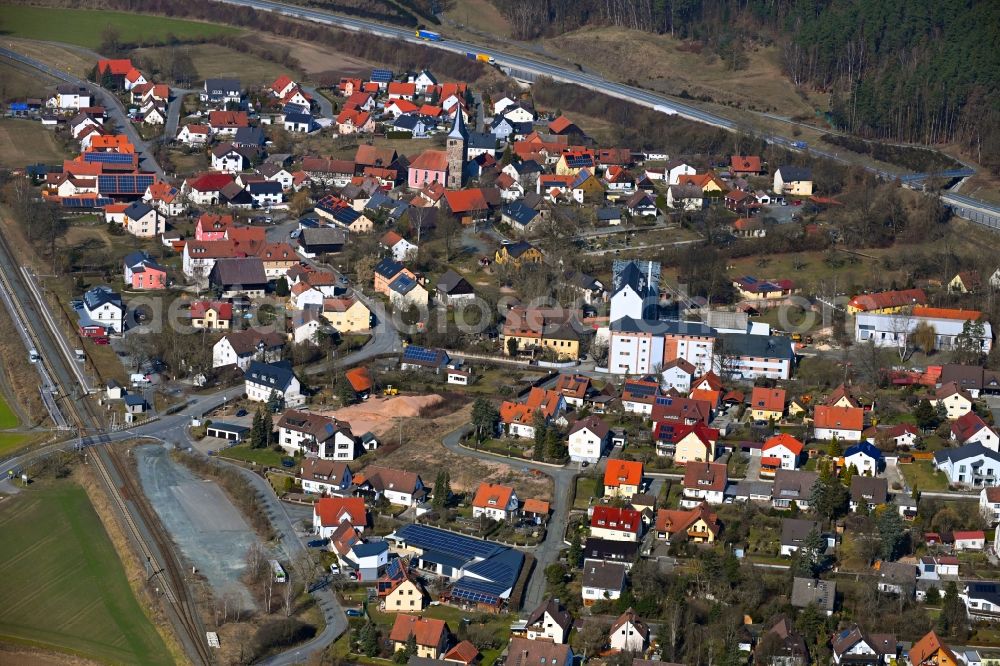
(481, 57)
(665, 109)
(428, 35)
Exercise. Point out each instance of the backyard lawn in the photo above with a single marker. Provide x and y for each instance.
(64, 586)
(920, 474)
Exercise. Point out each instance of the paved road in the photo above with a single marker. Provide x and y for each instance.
(546, 552)
(116, 112)
(174, 113)
(325, 105)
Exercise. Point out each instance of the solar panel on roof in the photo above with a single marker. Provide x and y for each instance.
(109, 158)
(641, 390)
(475, 596)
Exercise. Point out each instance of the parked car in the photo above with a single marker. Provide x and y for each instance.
(354, 612)
(318, 543)
(102, 341)
(288, 462)
(242, 412)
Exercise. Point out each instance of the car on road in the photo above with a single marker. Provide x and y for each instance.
(334, 569)
(354, 612)
(242, 412)
(318, 543)
(294, 233)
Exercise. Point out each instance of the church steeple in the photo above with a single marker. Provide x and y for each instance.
(455, 148)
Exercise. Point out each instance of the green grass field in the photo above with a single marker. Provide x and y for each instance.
(8, 417)
(84, 27)
(64, 586)
(265, 457)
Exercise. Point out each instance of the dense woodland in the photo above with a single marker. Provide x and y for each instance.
(920, 71)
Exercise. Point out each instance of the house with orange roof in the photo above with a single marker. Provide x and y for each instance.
(707, 182)
(767, 404)
(330, 512)
(574, 388)
(400, 90)
(887, 302)
(563, 125)
(463, 653)
(467, 205)
(429, 634)
(355, 121)
(745, 165)
(785, 449)
(520, 417)
(535, 510)
(165, 198)
(697, 525)
(842, 397)
(495, 501)
(709, 380)
(704, 482)
(932, 651)
(360, 381)
(844, 423)
(119, 67)
(133, 77)
(622, 478)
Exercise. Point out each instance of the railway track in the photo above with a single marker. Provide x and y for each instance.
(141, 522)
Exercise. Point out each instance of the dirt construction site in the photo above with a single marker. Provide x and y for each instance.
(410, 430)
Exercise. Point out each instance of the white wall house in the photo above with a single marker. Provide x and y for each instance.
(588, 440)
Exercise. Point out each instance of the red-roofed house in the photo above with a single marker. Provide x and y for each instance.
(495, 501)
(330, 512)
(118, 67)
(282, 86)
(969, 540)
(615, 523)
(360, 380)
(204, 190)
(971, 428)
(844, 423)
(355, 121)
(430, 635)
(133, 78)
(194, 135)
(467, 205)
(622, 478)
(745, 165)
(691, 443)
(785, 448)
(989, 504)
(212, 315)
(767, 404)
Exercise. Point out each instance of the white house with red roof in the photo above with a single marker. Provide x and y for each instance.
(971, 429)
(205, 189)
(785, 448)
(989, 504)
(615, 523)
(677, 374)
(330, 512)
(194, 135)
(134, 78)
(974, 540)
(495, 501)
(282, 86)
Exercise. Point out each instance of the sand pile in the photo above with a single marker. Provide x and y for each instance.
(379, 415)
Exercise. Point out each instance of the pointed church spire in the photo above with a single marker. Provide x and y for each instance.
(458, 128)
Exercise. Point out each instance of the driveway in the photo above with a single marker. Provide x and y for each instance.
(547, 552)
(174, 112)
(325, 106)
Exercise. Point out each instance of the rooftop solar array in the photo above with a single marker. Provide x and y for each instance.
(109, 158)
(475, 596)
(86, 202)
(381, 75)
(423, 354)
(429, 538)
(124, 183)
(641, 390)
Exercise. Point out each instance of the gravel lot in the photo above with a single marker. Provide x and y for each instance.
(208, 529)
